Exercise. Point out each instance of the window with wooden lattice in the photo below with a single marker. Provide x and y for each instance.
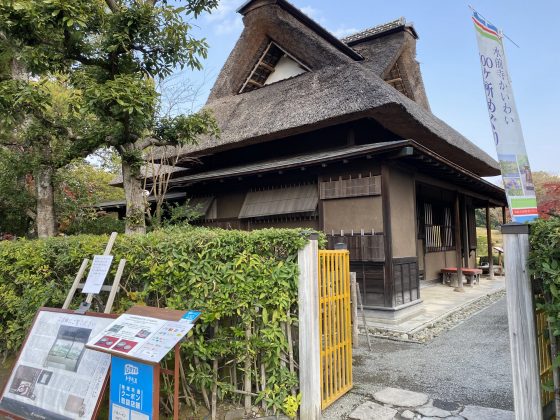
(437, 227)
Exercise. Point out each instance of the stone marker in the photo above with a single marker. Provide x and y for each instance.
(400, 397)
(372, 411)
(473, 412)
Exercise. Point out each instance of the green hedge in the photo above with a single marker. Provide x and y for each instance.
(245, 283)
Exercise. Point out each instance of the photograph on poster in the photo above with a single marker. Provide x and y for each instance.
(55, 376)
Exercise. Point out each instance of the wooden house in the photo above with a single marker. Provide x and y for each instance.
(337, 135)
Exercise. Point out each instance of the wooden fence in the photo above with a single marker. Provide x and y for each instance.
(545, 364)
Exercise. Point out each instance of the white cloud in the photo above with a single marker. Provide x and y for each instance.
(224, 19)
(315, 14)
(342, 32)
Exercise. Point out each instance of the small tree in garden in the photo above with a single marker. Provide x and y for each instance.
(113, 51)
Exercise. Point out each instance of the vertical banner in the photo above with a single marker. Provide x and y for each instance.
(506, 127)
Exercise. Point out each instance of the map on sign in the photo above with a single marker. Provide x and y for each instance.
(97, 273)
(141, 337)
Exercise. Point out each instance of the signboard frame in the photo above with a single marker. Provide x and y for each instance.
(21, 350)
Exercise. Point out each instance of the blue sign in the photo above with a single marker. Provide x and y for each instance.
(190, 316)
(131, 394)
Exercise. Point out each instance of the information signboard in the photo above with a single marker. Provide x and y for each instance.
(97, 273)
(55, 377)
(141, 337)
(131, 396)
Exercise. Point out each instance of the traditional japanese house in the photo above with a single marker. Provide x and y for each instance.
(337, 135)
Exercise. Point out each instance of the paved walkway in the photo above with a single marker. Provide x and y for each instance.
(439, 300)
(468, 366)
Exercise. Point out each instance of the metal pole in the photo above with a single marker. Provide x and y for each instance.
(521, 320)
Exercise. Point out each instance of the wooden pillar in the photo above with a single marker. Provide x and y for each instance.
(354, 298)
(489, 239)
(309, 340)
(521, 320)
(503, 215)
(388, 237)
(465, 235)
(458, 257)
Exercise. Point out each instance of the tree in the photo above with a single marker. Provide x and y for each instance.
(113, 51)
(43, 125)
(547, 188)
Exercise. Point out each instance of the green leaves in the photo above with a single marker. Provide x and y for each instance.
(237, 279)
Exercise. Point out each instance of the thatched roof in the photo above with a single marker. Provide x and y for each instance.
(331, 96)
(339, 88)
(379, 30)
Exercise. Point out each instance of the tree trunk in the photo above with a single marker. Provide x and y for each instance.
(46, 217)
(135, 210)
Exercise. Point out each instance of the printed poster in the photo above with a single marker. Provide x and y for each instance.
(56, 377)
(145, 338)
(504, 120)
(97, 273)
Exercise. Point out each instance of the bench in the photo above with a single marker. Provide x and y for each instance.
(472, 275)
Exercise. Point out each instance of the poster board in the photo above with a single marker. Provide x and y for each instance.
(146, 336)
(55, 376)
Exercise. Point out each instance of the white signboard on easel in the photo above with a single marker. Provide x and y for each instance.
(97, 273)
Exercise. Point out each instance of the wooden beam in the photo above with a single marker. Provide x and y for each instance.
(267, 66)
(255, 83)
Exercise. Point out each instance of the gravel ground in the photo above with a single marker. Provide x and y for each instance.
(469, 364)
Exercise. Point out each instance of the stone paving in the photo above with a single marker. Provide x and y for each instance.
(399, 404)
(438, 302)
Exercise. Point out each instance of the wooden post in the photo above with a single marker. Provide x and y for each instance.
(354, 311)
(176, 382)
(503, 215)
(309, 340)
(521, 320)
(458, 257)
(489, 239)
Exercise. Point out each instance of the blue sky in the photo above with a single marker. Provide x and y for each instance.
(448, 57)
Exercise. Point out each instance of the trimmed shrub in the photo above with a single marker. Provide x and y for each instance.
(245, 284)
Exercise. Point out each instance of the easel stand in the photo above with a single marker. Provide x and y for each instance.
(112, 289)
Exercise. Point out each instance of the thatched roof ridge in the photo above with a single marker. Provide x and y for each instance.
(327, 97)
(379, 30)
(303, 18)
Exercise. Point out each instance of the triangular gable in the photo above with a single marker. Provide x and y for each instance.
(274, 65)
(303, 41)
(404, 76)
